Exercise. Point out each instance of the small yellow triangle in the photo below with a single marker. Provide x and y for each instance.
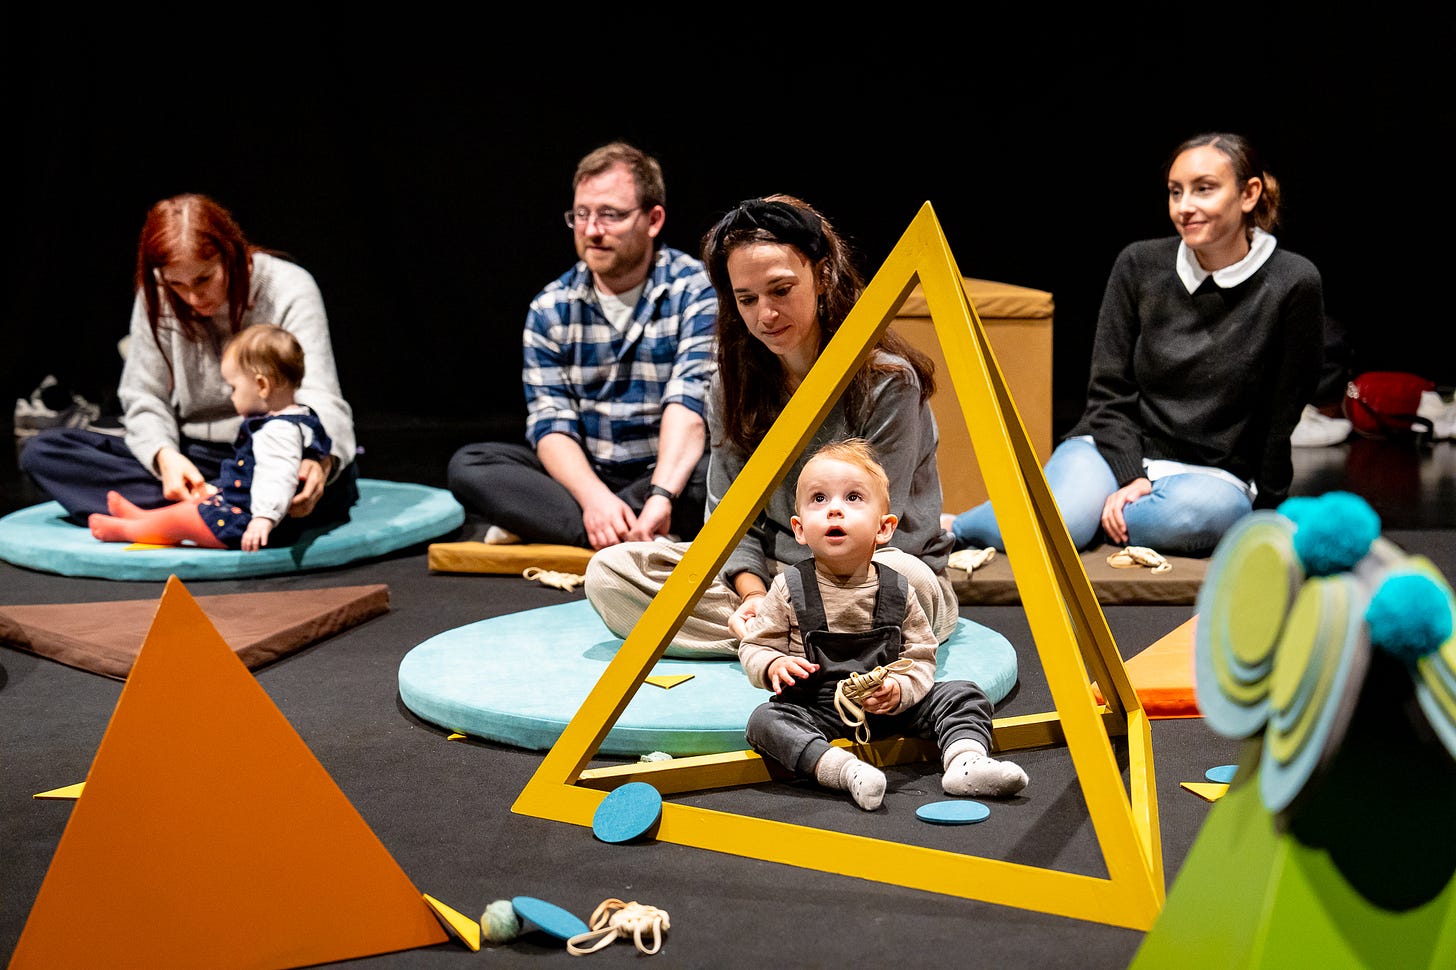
(666, 681)
(148, 545)
(457, 736)
(467, 929)
(1211, 791)
(68, 792)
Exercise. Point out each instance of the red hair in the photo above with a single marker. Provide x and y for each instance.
(197, 227)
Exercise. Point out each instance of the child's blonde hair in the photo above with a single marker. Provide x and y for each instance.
(269, 350)
(855, 451)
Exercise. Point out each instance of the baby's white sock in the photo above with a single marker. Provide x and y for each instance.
(842, 771)
(969, 771)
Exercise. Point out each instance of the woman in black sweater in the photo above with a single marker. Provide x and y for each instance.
(1208, 346)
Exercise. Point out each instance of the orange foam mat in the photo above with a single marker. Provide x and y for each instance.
(1162, 675)
(260, 627)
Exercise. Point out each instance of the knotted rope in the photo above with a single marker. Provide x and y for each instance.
(614, 918)
(1134, 556)
(849, 695)
(971, 559)
(550, 577)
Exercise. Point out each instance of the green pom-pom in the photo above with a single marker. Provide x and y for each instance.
(500, 922)
(1332, 532)
(1409, 616)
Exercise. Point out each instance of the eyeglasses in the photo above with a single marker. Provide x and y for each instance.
(606, 217)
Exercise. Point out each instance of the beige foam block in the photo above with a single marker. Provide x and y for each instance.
(479, 557)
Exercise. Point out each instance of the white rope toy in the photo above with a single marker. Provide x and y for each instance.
(550, 577)
(1132, 556)
(849, 695)
(614, 918)
(971, 559)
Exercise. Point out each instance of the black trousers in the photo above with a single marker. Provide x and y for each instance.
(506, 484)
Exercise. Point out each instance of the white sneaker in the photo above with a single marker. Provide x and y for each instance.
(1316, 430)
(1441, 414)
(33, 414)
(496, 536)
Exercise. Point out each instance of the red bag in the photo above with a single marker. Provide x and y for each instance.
(1382, 404)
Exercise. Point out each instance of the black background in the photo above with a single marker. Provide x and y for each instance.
(419, 170)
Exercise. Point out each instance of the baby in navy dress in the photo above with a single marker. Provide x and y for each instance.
(263, 366)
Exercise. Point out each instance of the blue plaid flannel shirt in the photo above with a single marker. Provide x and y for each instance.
(607, 389)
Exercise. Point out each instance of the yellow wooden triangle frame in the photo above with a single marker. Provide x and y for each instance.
(1073, 642)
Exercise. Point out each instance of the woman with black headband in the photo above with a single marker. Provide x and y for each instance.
(792, 284)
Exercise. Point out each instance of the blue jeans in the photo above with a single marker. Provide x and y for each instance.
(1184, 515)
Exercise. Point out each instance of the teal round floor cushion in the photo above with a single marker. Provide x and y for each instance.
(519, 679)
(389, 516)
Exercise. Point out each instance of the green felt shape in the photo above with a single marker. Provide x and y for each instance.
(1318, 674)
(519, 679)
(1253, 577)
(389, 516)
(1252, 894)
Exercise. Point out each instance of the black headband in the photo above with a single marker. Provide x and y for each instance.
(788, 223)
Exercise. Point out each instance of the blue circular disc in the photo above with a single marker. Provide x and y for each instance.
(627, 812)
(548, 917)
(1223, 774)
(954, 811)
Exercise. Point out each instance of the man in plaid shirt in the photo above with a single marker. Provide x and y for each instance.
(618, 355)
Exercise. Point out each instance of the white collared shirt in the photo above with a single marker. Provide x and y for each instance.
(1261, 247)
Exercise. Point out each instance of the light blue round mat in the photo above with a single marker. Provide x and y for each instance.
(519, 679)
(388, 516)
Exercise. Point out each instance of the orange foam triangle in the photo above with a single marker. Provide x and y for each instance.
(1162, 675)
(228, 846)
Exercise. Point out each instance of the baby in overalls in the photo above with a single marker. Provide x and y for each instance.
(838, 616)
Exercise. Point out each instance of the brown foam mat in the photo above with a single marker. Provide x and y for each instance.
(994, 585)
(105, 638)
(479, 557)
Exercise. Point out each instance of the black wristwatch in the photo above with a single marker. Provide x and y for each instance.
(659, 490)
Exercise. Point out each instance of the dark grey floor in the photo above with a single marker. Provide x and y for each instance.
(443, 808)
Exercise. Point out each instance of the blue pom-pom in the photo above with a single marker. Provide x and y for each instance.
(1332, 532)
(1294, 509)
(1409, 616)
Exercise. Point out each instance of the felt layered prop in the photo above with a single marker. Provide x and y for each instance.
(1330, 651)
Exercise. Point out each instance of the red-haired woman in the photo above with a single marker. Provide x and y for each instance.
(199, 282)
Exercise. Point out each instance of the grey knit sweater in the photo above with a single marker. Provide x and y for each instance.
(161, 403)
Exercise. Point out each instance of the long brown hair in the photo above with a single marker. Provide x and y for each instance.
(192, 225)
(755, 388)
